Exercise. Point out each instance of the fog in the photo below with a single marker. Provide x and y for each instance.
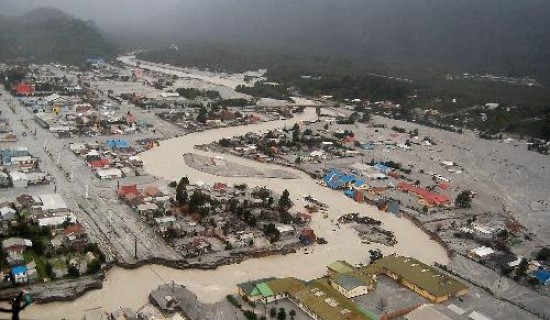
(511, 35)
(106, 13)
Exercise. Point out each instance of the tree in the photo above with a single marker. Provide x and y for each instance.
(296, 134)
(271, 232)
(73, 272)
(292, 314)
(39, 246)
(66, 223)
(49, 270)
(463, 200)
(522, 268)
(93, 266)
(543, 254)
(502, 234)
(203, 115)
(181, 191)
(365, 118)
(375, 254)
(241, 187)
(425, 209)
(533, 281)
(273, 312)
(284, 200)
(281, 315)
(250, 315)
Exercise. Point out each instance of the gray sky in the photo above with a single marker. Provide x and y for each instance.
(103, 12)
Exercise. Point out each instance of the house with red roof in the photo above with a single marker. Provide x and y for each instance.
(101, 163)
(23, 89)
(152, 191)
(307, 236)
(76, 237)
(349, 139)
(219, 187)
(126, 190)
(431, 198)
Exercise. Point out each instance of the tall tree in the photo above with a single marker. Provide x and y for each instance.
(203, 115)
(284, 200)
(181, 191)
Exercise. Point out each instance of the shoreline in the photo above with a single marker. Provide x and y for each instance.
(68, 291)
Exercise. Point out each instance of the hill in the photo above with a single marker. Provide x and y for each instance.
(50, 35)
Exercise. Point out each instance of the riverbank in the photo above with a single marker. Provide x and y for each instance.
(223, 168)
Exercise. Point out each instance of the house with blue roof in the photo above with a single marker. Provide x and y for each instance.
(118, 144)
(20, 274)
(382, 168)
(350, 193)
(333, 179)
(368, 146)
(543, 276)
(14, 157)
(351, 286)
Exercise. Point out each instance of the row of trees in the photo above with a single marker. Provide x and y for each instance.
(264, 90)
(193, 93)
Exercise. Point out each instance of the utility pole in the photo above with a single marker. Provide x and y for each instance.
(87, 195)
(135, 247)
(110, 223)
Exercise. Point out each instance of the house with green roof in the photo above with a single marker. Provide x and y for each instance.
(270, 289)
(250, 291)
(340, 266)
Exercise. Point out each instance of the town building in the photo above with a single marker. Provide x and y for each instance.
(20, 274)
(421, 278)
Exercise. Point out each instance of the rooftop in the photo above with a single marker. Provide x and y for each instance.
(52, 202)
(341, 266)
(421, 275)
(431, 312)
(328, 303)
(348, 282)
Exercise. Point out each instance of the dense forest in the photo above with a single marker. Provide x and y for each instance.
(49, 35)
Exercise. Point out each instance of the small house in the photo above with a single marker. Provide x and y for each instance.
(16, 245)
(543, 276)
(110, 173)
(7, 213)
(20, 274)
(350, 286)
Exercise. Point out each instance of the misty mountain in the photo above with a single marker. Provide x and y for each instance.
(497, 36)
(48, 35)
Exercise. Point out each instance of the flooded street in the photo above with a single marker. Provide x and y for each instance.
(130, 288)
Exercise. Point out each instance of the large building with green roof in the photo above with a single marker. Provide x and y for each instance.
(329, 297)
(421, 278)
(340, 266)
